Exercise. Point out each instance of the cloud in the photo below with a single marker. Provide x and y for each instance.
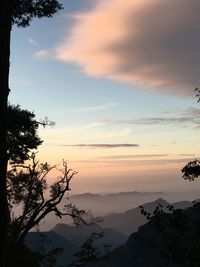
(111, 134)
(103, 145)
(188, 117)
(140, 161)
(120, 157)
(158, 121)
(32, 42)
(187, 155)
(153, 121)
(93, 108)
(42, 54)
(193, 112)
(150, 43)
(146, 157)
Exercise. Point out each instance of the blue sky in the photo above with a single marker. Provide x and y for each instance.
(122, 97)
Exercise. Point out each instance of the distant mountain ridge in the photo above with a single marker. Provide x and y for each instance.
(71, 238)
(116, 226)
(147, 248)
(78, 235)
(91, 195)
(86, 195)
(101, 204)
(47, 241)
(130, 220)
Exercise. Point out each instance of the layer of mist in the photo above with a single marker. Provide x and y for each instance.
(103, 204)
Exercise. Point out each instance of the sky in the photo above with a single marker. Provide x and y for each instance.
(117, 77)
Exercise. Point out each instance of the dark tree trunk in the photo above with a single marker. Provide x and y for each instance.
(5, 30)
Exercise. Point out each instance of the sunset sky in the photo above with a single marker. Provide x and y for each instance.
(117, 77)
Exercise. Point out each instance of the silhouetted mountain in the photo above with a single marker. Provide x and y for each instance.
(118, 194)
(101, 205)
(136, 253)
(130, 220)
(77, 235)
(182, 204)
(86, 196)
(71, 238)
(47, 241)
(147, 247)
(116, 227)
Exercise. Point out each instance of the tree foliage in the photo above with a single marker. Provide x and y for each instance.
(191, 171)
(22, 256)
(90, 252)
(30, 200)
(179, 229)
(23, 11)
(179, 232)
(22, 134)
(20, 13)
(197, 90)
(29, 193)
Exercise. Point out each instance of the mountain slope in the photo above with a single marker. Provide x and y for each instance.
(71, 238)
(149, 248)
(47, 241)
(78, 235)
(129, 221)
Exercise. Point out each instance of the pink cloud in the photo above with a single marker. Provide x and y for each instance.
(149, 43)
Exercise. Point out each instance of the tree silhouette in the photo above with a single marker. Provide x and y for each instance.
(19, 12)
(197, 90)
(29, 192)
(24, 257)
(179, 232)
(179, 229)
(191, 170)
(32, 197)
(22, 134)
(91, 252)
